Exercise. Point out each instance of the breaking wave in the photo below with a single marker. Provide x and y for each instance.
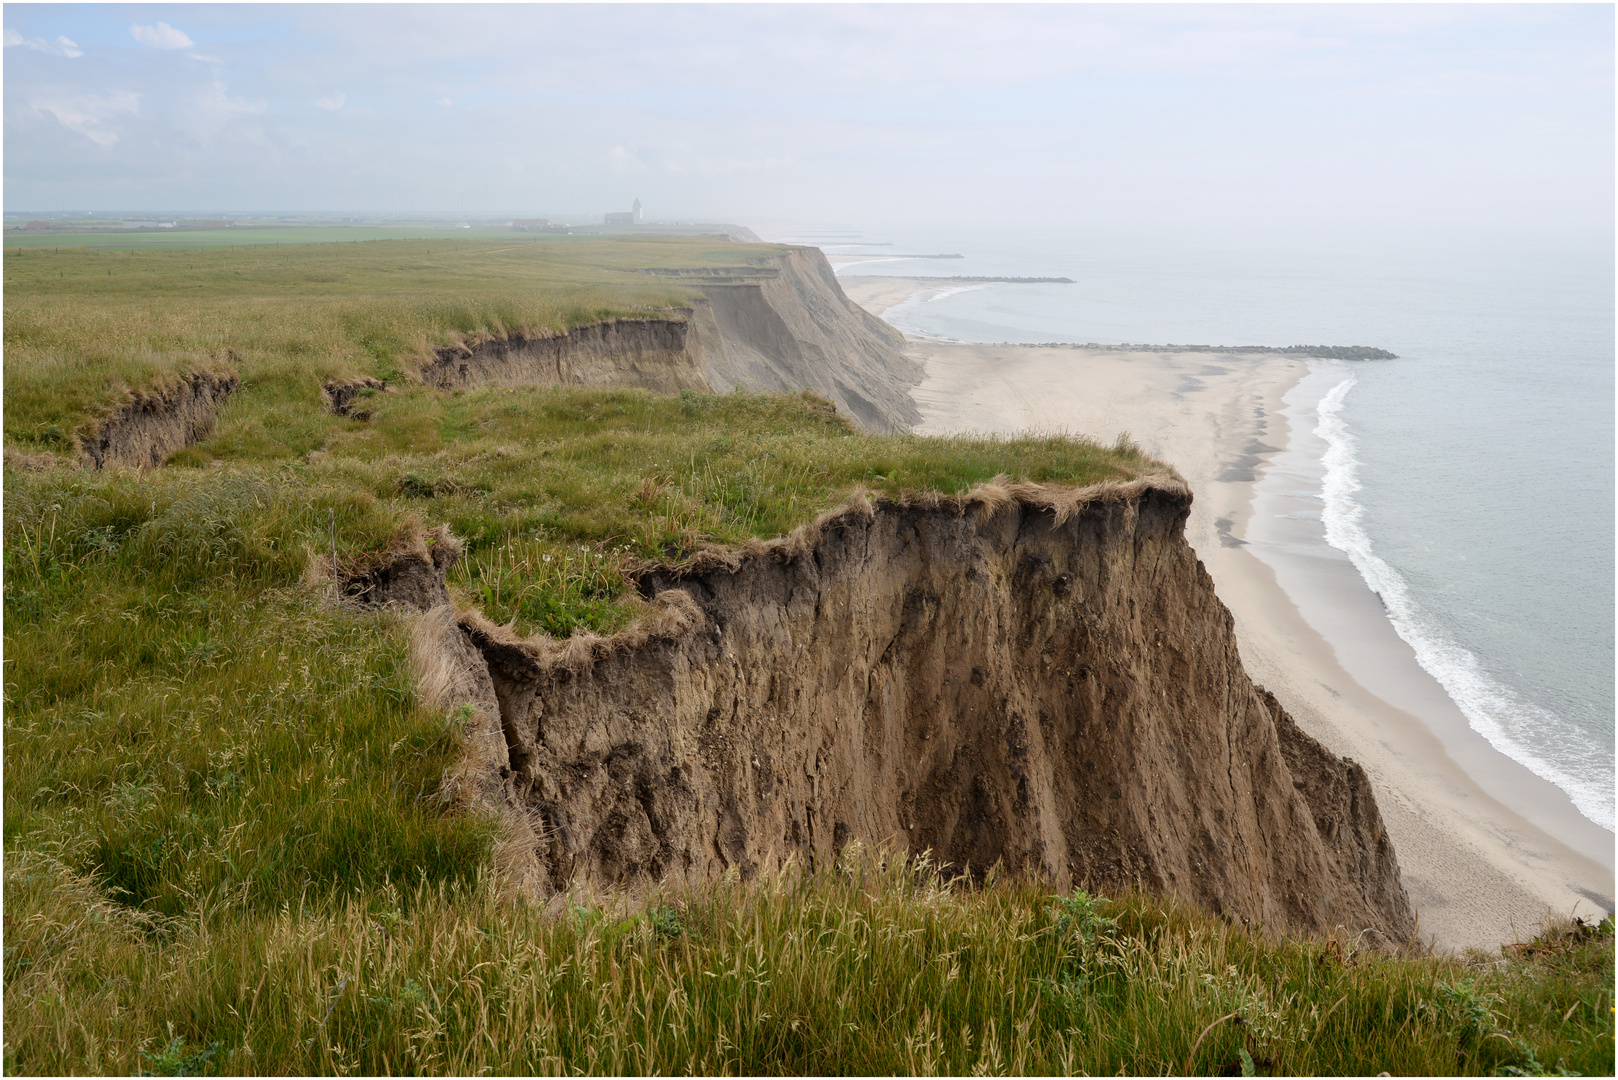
(1523, 731)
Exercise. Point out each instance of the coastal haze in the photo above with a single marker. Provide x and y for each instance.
(1435, 181)
(1219, 120)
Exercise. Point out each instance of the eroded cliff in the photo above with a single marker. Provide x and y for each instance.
(1031, 676)
(655, 354)
(148, 425)
(788, 326)
(775, 323)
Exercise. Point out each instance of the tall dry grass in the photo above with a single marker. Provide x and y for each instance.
(877, 967)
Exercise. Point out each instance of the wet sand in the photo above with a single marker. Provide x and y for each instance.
(1486, 848)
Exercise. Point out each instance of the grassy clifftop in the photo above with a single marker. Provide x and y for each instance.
(225, 848)
(81, 323)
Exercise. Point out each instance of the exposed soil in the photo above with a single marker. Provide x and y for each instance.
(649, 353)
(794, 329)
(411, 578)
(780, 323)
(1036, 677)
(343, 397)
(150, 425)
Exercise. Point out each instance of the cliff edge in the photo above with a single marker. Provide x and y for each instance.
(779, 322)
(1030, 676)
(143, 429)
(784, 323)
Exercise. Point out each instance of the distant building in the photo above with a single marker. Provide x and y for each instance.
(39, 224)
(212, 224)
(536, 224)
(630, 218)
(148, 224)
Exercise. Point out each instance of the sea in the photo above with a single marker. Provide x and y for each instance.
(1470, 480)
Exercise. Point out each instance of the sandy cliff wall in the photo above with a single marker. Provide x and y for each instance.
(150, 425)
(1034, 677)
(778, 323)
(650, 353)
(791, 328)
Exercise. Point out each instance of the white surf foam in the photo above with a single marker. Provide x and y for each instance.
(1519, 729)
(899, 315)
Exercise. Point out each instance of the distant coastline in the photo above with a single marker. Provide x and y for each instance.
(883, 291)
(983, 280)
(1321, 352)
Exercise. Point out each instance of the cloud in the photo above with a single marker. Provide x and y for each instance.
(216, 101)
(161, 36)
(87, 114)
(60, 47)
(837, 111)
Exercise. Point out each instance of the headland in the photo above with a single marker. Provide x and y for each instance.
(719, 664)
(1485, 846)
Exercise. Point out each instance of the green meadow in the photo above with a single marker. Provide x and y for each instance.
(147, 239)
(83, 325)
(225, 847)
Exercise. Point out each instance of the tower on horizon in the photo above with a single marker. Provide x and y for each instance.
(629, 217)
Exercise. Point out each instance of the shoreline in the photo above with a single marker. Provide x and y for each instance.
(1485, 849)
(1332, 595)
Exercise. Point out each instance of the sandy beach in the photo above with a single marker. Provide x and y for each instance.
(1486, 848)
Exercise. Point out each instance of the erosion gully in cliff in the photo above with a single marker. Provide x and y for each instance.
(776, 323)
(143, 429)
(1036, 677)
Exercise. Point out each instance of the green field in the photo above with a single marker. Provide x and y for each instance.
(225, 847)
(318, 234)
(244, 237)
(82, 325)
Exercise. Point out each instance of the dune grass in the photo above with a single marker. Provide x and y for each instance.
(202, 741)
(226, 844)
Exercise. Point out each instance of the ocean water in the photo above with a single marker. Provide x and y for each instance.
(1470, 481)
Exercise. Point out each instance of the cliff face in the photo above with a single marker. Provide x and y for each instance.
(650, 353)
(779, 323)
(788, 326)
(151, 425)
(1036, 677)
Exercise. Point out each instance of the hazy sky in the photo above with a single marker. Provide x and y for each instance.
(1079, 115)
